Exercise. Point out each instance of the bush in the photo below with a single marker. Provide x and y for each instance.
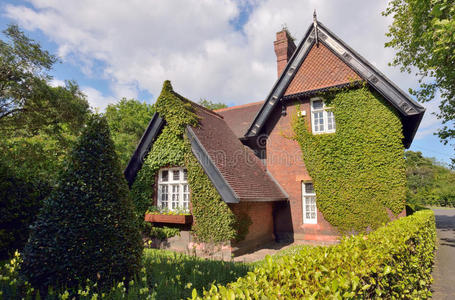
(393, 262)
(86, 229)
(163, 233)
(19, 204)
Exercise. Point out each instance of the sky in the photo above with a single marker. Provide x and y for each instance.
(221, 50)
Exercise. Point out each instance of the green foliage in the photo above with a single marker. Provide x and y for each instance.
(127, 121)
(358, 171)
(38, 125)
(86, 228)
(165, 275)
(163, 233)
(423, 35)
(215, 221)
(428, 183)
(19, 204)
(27, 101)
(212, 105)
(175, 275)
(169, 147)
(393, 262)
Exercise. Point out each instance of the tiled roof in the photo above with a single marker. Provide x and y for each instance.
(320, 69)
(240, 117)
(242, 170)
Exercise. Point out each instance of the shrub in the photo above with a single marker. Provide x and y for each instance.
(19, 203)
(163, 233)
(393, 262)
(86, 229)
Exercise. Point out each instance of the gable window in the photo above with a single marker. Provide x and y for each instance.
(309, 203)
(173, 190)
(322, 118)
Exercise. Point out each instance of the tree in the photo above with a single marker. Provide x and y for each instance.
(212, 105)
(428, 182)
(27, 101)
(38, 125)
(127, 121)
(423, 33)
(86, 228)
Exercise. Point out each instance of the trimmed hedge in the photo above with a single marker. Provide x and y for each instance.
(395, 261)
(86, 228)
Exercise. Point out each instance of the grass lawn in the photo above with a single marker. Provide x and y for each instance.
(165, 275)
(174, 275)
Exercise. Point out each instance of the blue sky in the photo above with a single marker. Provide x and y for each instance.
(218, 50)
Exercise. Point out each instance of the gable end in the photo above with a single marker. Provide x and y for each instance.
(411, 112)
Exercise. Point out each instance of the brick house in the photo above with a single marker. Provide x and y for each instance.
(244, 149)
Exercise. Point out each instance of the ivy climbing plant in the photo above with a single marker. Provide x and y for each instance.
(215, 222)
(358, 172)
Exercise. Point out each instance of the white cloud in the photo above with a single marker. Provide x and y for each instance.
(56, 82)
(194, 44)
(96, 99)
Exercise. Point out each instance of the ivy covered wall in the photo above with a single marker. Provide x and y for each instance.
(358, 172)
(214, 220)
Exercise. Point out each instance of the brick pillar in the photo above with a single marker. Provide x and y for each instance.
(284, 48)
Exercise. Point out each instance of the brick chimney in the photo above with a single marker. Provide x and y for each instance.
(284, 48)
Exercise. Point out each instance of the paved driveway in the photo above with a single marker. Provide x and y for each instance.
(444, 268)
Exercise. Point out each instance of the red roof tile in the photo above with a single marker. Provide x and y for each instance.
(239, 118)
(320, 69)
(242, 170)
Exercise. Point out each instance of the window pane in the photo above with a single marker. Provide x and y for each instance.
(175, 196)
(163, 195)
(318, 104)
(310, 207)
(318, 121)
(164, 175)
(185, 174)
(176, 175)
(309, 188)
(186, 196)
(330, 120)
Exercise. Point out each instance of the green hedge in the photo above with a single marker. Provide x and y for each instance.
(395, 261)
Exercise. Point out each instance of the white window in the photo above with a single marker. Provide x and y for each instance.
(173, 190)
(322, 118)
(309, 203)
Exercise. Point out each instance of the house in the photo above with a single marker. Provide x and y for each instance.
(321, 156)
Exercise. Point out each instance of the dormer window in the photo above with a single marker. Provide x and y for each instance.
(173, 190)
(322, 118)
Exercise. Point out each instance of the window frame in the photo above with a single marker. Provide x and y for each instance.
(325, 116)
(304, 198)
(171, 183)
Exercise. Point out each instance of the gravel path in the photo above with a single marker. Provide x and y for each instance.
(444, 269)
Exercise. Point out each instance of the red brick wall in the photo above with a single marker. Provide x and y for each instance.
(261, 218)
(284, 162)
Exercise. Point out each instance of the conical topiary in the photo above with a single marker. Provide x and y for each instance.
(86, 228)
